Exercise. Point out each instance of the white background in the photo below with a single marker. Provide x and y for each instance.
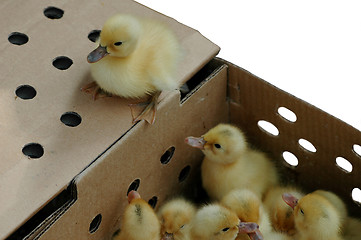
(311, 49)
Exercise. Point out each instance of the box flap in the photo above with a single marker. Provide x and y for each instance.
(103, 186)
(28, 183)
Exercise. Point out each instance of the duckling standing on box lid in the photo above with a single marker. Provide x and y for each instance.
(229, 163)
(135, 58)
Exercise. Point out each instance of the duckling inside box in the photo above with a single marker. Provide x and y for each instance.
(154, 159)
(164, 166)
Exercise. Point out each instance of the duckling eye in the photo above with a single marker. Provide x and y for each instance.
(225, 229)
(302, 212)
(181, 226)
(217, 145)
(118, 43)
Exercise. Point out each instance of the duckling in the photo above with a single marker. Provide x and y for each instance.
(230, 164)
(175, 216)
(281, 215)
(136, 58)
(316, 217)
(139, 221)
(215, 222)
(352, 229)
(248, 208)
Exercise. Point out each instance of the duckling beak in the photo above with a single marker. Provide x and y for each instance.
(133, 195)
(290, 200)
(252, 229)
(196, 142)
(97, 54)
(168, 236)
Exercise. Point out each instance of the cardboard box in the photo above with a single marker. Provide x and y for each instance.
(73, 185)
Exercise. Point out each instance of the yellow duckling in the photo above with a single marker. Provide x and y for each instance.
(175, 216)
(316, 217)
(281, 215)
(230, 164)
(139, 221)
(215, 222)
(135, 58)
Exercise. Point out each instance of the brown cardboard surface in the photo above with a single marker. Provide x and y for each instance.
(252, 99)
(102, 187)
(28, 184)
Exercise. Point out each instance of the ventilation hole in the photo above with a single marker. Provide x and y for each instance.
(134, 186)
(94, 225)
(268, 127)
(53, 12)
(62, 62)
(290, 158)
(344, 164)
(307, 145)
(184, 173)
(357, 149)
(25, 92)
(33, 150)
(153, 201)
(287, 114)
(17, 38)
(356, 195)
(167, 156)
(71, 119)
(94, 35)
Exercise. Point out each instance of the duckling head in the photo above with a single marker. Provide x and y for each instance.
(215, 222)
(314, 215)
(175, 218)
(223, 143)
(118, 38)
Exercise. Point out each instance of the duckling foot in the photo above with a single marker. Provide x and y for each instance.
(149, 112)
(94, 89)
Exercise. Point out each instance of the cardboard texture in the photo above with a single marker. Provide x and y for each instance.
(67, 150)
(77, 189)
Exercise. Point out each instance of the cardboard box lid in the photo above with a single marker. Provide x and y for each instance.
(28, 183)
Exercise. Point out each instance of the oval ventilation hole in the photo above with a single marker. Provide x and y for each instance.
(62, 62)
(167, 156)
(94, 35)
(94, 225)
(268, 127)
(287, 114)
(344, 164)
(356, 195)
(290, 158)
(25, 92)
(71, 119)
(33, 150)
(184, 173)
(18, 38)
(357, 149)
(153, 201)
(307, 145)
(134, 185)
(53, 12)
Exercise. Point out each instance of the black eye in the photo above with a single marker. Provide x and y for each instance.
(302, 212)
(118, 43)
(181, 226)
(225, 229)
(217, 145)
